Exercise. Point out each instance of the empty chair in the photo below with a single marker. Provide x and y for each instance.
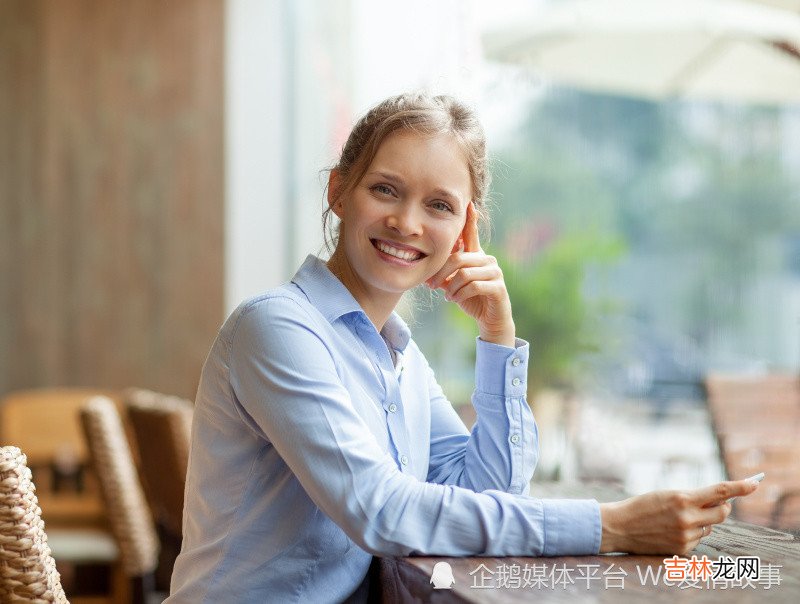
(786, 511)
(44, 422)
(161, 427)
(27, 569)
(162, 430)
(744, 404)
(130, 518)
(757, 423)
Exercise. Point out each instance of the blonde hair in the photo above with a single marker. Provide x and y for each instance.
(422, 113)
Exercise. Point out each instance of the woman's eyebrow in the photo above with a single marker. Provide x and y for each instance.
(399, 181)
(387, 176)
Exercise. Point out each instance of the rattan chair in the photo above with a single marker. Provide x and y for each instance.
(162, 430)
(130, 518)
(27, 569)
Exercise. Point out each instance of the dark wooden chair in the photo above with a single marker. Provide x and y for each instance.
(757, 423)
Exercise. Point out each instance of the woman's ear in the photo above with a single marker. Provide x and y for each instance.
(334, 200)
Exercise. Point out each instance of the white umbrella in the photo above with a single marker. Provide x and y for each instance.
(787, 4)
(705, 49)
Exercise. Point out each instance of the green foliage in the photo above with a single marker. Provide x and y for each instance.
(551, 308)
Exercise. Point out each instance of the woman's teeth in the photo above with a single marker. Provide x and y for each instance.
(393, 251)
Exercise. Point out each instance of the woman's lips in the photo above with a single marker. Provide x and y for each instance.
(399, 246)
(398, 251)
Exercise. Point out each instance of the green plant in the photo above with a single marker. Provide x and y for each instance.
(552, 309)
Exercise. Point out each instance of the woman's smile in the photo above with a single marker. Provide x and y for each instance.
(396, 253)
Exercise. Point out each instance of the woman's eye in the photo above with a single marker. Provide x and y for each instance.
(383, 189)
(441, 206)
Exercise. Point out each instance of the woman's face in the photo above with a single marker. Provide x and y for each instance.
(406, 215)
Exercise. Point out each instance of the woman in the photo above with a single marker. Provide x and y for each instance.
(321, 437)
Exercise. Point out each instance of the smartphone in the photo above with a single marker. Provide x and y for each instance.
(755, 477)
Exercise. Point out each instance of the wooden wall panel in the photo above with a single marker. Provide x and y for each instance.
(114, 204)
(20, 187)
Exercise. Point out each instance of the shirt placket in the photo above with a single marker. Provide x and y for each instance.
(392, 402)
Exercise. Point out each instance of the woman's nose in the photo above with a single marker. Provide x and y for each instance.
(405, 220)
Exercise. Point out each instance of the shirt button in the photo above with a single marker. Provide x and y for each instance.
(392, 408)
(515, 438)
(515, 362)
(515, 382)
(404, 460)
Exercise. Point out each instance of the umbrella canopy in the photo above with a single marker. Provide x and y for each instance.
(788, 4)
(705, 49)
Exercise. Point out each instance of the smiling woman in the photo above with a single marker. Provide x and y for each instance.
(320, 435)
(402, 220)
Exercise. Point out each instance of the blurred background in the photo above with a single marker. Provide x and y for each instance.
(161, 161)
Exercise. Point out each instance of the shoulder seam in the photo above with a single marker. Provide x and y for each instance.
(258, 300)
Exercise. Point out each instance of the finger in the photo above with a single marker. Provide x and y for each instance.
(701, 532)
(693, 538)
(473, 273)
(457, 261)
(471, 236)
(687, 541)
(704, 532)
(477, 288)
(710, 516)
(720, 492)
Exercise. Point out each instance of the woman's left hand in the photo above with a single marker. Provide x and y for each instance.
(667, 522)
(473, 280)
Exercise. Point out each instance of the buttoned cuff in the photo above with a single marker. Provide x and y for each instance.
(501, 370)
(572, 527)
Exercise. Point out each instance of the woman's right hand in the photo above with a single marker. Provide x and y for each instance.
(667, 522)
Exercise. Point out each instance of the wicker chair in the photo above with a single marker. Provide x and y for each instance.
(162, 429)
(27, 570)
(129, 515)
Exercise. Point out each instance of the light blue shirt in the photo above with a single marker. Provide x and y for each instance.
(315, 448)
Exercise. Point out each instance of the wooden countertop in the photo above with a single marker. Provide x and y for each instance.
(609, 578)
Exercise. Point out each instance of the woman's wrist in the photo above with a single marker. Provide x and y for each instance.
(503, 337)
(611, 539)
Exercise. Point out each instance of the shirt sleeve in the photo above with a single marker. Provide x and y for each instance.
(287, 382)
(503, 447)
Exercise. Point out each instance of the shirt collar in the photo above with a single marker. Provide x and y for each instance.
(331, 298)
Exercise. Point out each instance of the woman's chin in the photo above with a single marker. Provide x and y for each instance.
(395, 285)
